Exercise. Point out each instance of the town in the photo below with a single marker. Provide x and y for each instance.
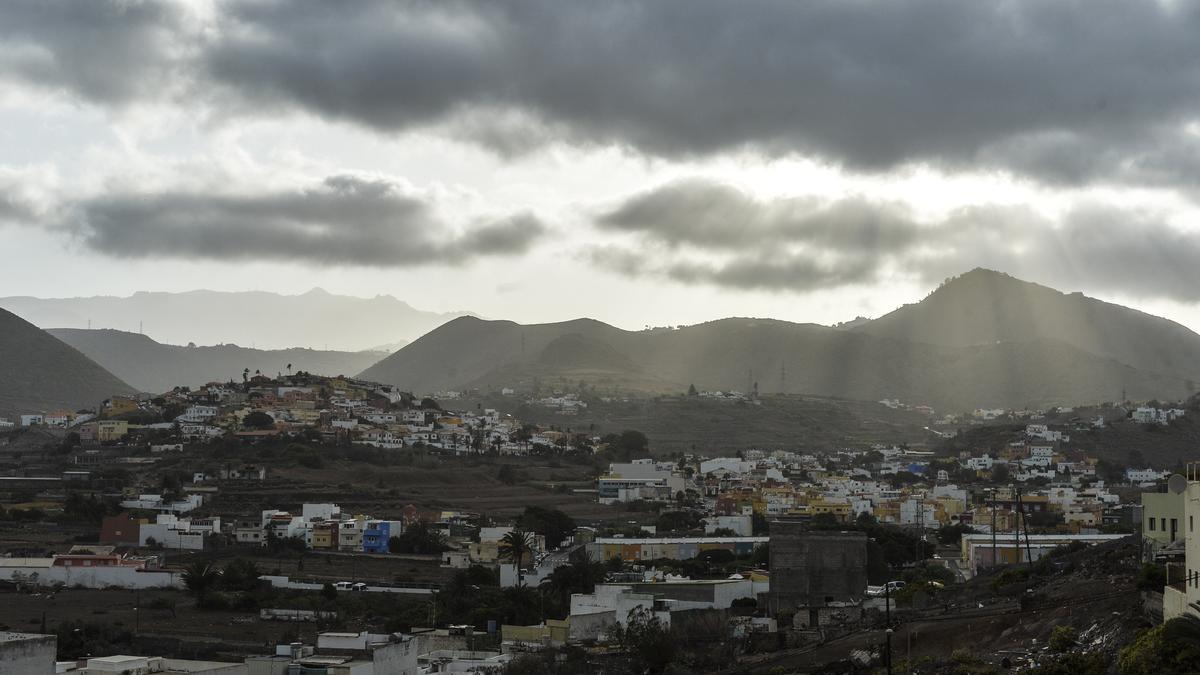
(200, 499)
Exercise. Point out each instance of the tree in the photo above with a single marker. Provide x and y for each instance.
(258, 420)
(627, 445)
(692, 390)
(240, 574)
(678, 521)
(646, 642)
(200, 579)
(1000, 473)
(328, 592)
(514, 546)
(951, 535)
(1172, 647)
(1062, 638)
(552, 524)
(418, 538)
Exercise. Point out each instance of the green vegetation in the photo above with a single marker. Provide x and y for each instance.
(1063, 639)
(646, 643)
(625, 446)
(1151, 577)
(515, 546)
(1173, 647)
(258, 420)
(552, 524)
(418, 538)
(79, 638)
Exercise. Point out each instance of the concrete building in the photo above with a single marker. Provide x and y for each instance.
(1010, 547)
(89, 571)
(822, 575)
(27, 654)
(154, 665)
(1183, 596)
(1162, 515)
(671, 548)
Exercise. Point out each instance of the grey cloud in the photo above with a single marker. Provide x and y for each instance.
(12, 208)
(715, 215)
(1074, 91)
(868, 84)
(806, 245)
(110, 51)
(792, 272)
(344, 220)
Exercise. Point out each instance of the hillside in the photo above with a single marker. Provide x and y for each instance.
(695, 424)
(984, 307)
(315, 319)
(155, 367)
(781, 357)
(40, 373)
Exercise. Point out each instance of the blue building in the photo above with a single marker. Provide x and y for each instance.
(378, 533)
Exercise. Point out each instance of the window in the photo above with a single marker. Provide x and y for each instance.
(1190, 523)
(1152, 524)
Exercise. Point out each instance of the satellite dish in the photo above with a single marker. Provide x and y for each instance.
(1176, 484)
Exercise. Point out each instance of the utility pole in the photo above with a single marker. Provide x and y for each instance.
(1017, 524)
(1028, 550)
(887, 609)
(993, 490)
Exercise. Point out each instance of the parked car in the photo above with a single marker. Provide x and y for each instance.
(886, 589)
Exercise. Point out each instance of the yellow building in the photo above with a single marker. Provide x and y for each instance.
(324, 536)
(120, 405)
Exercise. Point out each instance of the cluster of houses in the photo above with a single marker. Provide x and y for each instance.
(329, 409)
(1055, 487)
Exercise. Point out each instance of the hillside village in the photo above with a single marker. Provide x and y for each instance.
(679, 524)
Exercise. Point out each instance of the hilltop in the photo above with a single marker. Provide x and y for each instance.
(984, 307)
(315, 319)
(156, 367)
(38, 372)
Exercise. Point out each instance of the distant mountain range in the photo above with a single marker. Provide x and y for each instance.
(40, 373)
(983, 339)
(155, 367)
(315, 319)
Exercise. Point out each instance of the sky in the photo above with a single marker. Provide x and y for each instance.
(643, 162)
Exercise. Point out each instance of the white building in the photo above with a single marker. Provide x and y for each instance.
(741, 526)
(197, 414)
(1146, 475)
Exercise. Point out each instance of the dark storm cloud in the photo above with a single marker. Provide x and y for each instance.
(1072, 91)
(703, 232)
(110, 51)
(1106, 85)
(344, 220)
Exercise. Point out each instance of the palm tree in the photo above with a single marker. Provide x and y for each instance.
(515, 545)
(200, 578)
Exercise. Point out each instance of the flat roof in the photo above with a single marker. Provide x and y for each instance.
(1008, 536)
(681, 540)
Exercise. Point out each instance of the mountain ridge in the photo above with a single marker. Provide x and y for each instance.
(314, 319)
(156, 367)
(1062, 365)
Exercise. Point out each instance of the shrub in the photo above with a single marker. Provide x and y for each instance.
(1063, 638)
